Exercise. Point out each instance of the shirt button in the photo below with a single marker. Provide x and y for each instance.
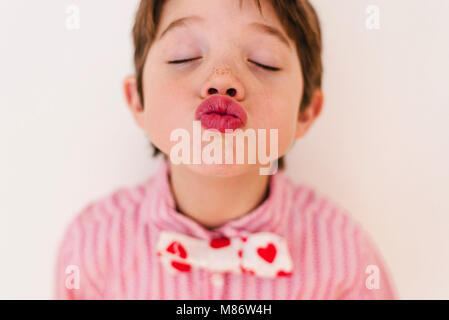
(217, 280)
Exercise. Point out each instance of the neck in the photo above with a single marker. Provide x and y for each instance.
(213, 201)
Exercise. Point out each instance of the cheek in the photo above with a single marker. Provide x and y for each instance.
(166, 109)
(279, 114)
(286, 125)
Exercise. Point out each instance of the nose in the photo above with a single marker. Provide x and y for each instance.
(222, 81)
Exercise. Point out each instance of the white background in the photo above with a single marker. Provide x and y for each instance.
(380, 148)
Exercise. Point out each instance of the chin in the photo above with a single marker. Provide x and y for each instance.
(222, 170)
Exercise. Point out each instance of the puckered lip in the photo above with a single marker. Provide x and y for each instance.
(223, 105)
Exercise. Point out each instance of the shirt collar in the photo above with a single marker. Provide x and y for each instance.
(159, 206)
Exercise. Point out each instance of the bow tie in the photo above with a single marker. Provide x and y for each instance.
(263, 254)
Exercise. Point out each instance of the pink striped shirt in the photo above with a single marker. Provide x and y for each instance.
(112, 244)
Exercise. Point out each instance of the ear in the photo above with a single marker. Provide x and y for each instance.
(133, 99)
(310, 114)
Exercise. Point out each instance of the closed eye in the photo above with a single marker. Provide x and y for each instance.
(256, 63)
(183, 61)
(264, 66)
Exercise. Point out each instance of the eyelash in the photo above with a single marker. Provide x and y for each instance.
(258, 64)
(265, 67)
(182, 61)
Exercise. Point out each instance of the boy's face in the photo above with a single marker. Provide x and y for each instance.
(229, 42)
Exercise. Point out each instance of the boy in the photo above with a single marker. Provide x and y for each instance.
(214, 231)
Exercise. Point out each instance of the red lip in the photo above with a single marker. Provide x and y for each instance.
(221, 113)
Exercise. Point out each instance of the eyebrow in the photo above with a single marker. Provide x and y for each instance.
(272, 31)
(269, 30)
(182, 22)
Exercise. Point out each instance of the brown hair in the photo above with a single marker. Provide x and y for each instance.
(298, 18)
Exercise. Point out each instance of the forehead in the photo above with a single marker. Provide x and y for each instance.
(234, 16)
(225, 7)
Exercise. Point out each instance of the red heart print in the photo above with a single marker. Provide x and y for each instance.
(218, 243)
(268, 253)
(176, 248)
(244, 270)
(282, 273)
(180, 266)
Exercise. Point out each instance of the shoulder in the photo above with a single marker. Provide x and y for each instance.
(101, 218)
(91, 237)
(327, 235)
(314, 209)
(121, 203)
(324, 227)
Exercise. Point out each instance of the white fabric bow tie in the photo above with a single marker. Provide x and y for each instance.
(263, 254)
